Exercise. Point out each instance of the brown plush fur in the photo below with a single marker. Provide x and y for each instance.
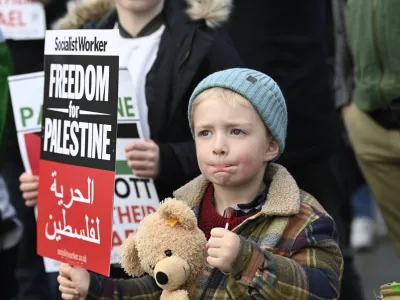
(214, 12)
(146, 251)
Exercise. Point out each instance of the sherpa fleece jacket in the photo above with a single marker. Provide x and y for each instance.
(288, 250)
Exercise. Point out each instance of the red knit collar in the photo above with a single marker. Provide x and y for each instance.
(209, 218)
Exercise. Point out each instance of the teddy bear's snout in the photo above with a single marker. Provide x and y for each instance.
(171, 273)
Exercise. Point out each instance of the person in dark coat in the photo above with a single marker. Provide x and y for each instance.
(191, 45)
(288, 41)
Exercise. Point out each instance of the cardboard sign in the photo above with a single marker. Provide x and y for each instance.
(27, 99)
(133, 197)
(77, 157)
(22, 19)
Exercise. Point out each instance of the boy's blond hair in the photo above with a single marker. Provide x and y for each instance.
(232, 98)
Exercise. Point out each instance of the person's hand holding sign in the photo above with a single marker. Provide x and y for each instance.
(144, 158)
(29, 187)
(74, 282)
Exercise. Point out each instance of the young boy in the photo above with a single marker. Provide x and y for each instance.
(282, 244)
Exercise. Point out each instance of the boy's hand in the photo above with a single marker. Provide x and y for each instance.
(223, 248)
(74, 282)
(143, 158)
(29, 185)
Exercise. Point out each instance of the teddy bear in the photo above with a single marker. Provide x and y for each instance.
(170, 247)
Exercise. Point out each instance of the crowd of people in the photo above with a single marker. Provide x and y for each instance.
(289, 110)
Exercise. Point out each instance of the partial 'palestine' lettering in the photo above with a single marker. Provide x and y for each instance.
(61, 136)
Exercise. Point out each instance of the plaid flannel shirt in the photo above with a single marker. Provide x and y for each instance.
(289, 250)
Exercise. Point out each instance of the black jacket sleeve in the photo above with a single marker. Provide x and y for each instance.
(181, 157)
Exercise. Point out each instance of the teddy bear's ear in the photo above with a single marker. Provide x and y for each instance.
(177, 213)
(129, 257)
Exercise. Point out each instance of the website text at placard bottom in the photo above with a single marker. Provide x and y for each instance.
(71, 255)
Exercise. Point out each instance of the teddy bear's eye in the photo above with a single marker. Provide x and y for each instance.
(168, 253)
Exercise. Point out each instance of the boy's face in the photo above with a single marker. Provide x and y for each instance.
(139, 6)
(231, 141)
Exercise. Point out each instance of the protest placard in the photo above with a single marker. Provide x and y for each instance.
(77, 154)
(27, 99)
(22, 19)
(134, 197)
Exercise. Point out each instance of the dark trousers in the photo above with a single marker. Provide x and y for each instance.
(8, 261)
(33, 282)
(320, 180)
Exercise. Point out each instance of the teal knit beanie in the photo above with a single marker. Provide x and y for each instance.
(259, 89)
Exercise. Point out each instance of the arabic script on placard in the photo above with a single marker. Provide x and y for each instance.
(90, 232)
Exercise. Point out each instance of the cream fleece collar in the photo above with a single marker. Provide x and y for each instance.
(283, 197)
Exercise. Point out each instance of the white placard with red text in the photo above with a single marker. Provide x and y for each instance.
(22, 19)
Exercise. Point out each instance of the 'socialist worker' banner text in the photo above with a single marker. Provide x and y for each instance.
(77, 158)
